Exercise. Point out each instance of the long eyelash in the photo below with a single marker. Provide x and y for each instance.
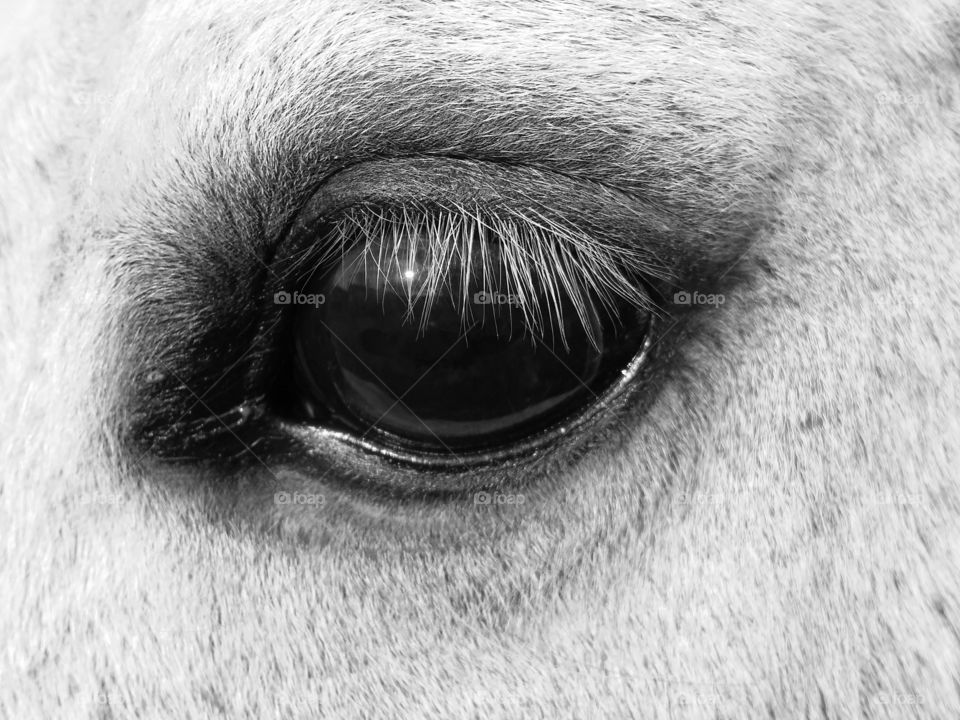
(541, 261)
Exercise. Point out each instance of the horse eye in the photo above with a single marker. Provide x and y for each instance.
(461, 353)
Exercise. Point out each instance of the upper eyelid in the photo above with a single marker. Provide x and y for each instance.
(627, 226)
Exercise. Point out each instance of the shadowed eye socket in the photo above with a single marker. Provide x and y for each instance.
(446, 331)
(421, 314)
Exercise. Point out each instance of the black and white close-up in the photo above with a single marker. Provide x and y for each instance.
(458, 359)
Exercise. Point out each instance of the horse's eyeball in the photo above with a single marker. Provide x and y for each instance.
(452, 353)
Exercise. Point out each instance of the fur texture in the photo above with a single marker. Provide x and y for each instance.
(774, 535)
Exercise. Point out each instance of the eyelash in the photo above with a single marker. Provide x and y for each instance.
(541, 260)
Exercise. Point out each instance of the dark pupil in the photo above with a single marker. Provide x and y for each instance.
(466, 372)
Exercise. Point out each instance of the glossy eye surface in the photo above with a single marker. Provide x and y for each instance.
(455, 353)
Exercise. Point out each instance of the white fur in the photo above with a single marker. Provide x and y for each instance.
(778, 536)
